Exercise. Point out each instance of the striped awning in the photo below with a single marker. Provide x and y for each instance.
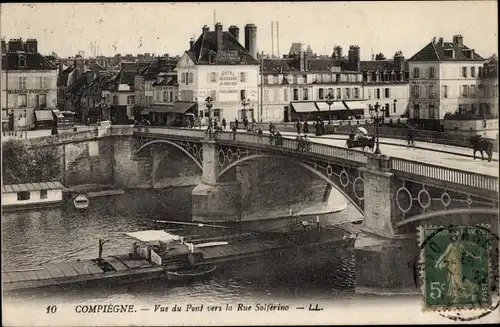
(304, 107)
(44, 115)
(336, 106)
(355, 105)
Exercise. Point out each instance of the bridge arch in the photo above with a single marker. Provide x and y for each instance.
(296, 162)
(186, 152)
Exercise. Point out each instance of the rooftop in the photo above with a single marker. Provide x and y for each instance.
(435, 51)
(34, 61)
(14, 188)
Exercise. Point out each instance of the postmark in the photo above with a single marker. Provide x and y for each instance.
(456, 270)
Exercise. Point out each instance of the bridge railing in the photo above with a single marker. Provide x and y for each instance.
(292, 145)
(159, 130)
(446, 174)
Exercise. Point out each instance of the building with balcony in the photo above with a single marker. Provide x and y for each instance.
(218, 66)
(444, 82)
(28, 84)
(296, 86)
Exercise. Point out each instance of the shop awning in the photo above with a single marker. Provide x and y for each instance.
(58, 114)
(178, 107)
(145, 111)
(304, 107)
(43, 115)
(336, 106)
(355, 105)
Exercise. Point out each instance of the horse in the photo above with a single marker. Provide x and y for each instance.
(480, 144)
(361, 142)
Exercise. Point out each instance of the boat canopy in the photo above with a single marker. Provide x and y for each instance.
(154, 236)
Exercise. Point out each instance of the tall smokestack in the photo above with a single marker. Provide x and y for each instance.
(272, 39)
(278, 38)
(251, 39)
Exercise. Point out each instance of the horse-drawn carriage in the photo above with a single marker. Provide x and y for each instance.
(360, 139)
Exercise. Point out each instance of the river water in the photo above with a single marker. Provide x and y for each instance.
(64, 233)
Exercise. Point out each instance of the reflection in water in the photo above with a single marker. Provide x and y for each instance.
(64, 233)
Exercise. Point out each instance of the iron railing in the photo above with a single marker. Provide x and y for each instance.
(171, 131)
(446, 174)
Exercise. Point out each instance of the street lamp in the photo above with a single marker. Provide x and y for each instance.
(395, 101)
(25, 123)
(376, 109)
(245, 102)
(209, 104)
(329, 101)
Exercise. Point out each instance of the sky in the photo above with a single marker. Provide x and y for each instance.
(167, 27)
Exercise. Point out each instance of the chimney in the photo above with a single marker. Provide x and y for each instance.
(191, 43)
(15, 45)
(61, 66)
(205, 29)
(441, 41)
(399, 60)
(458, 39)
(354, 57)
(337, 52)
(4, 46)
(302, 60)
(235, 32)
(218, 33)
(31, 45)
(251, 39)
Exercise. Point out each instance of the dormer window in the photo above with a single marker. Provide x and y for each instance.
(22, 61)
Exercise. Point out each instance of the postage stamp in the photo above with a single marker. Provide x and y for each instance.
(455, 267)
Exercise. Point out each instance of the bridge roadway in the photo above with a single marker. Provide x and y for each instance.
(430, 153)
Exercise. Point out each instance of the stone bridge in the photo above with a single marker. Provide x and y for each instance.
(394, 195)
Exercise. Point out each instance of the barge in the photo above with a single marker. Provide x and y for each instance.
(157, 254)
(29, 196)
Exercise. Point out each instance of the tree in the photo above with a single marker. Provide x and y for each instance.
(379, 56)
(21, 164)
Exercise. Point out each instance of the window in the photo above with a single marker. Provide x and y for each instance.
(464, 91)
(432, 72)
(430, 91)
(46, 83)
(115, 98)
(43, 194)
(164, 96)
(22, 100)
(22, 61)
(378, 93)
(157, 95)
(266, 95)
(387, 92)
(171, 96)
(416, 110)
(130, 99)
(42, 100)
(213, 77)
(23, 196)
(473, 72)
(321, 94)
(242, 94)
(356, 93)
(190, 78)
(464, 71)
(347, 93)
(285, 95)
(305, 94)
(432, 111)
(445, 91)
(339, 93)
(22, 83)
(243, 77)
(276, 95)
(472, 91)
(480, 71)
(295, 94)
(416, 72)
(415, 91)
(183, 78)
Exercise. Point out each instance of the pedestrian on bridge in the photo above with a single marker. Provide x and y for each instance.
(236, 123)
(306, 127)
(410, 137)
(224, 123)
(298, 125)
(245, 123)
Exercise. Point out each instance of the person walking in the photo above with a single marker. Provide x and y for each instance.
(245, 123)
(410, 137)
(297, 126)
(236, 123)
(306, 127)
(224, 123)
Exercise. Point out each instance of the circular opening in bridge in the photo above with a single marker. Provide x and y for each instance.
(221, 157)
(445, 199)
(195, 150)
(344, 178)
(230, 155)
(200, 153)
(358, 187)
(469, 201)
(238, 153)
(424, 199)
(329, 170)
(403, 195)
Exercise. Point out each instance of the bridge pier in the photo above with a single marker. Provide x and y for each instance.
(385, 260)
(214, 201)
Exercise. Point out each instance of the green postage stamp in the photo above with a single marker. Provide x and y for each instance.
(455, 267)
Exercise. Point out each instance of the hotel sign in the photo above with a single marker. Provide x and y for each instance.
(27, 91)
(228, 78)
(228, 56)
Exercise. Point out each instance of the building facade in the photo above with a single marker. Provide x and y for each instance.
(29, 84)
(444, 82)
(218, 66)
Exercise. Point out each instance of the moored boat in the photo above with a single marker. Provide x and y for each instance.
(81, 202)
(31, 196)
(191, 273)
